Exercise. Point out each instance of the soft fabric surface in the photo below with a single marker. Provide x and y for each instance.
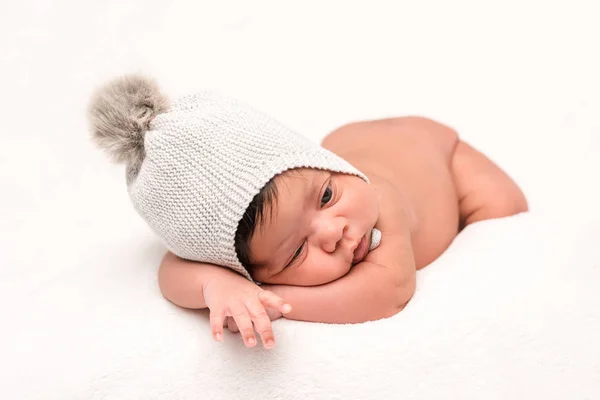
(511, 310)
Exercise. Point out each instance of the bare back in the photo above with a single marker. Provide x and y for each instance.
(414, 155)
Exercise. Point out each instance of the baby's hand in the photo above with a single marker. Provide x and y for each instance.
(246, 304)
(232, 326)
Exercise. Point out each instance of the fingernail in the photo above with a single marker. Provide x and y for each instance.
(287, 308)
(219, 336)
(270, 343)
(251, 341)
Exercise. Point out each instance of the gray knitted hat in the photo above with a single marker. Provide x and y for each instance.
(193, 167)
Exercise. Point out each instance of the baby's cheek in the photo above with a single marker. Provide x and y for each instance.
(327, 269)
(339, 268)
(365, 204)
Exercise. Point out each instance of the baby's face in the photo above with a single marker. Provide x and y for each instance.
(313, 233)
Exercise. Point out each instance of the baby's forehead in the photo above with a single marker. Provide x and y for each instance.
(295, 174)
(298, 177)
(292, 189)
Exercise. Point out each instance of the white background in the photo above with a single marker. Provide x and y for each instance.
(518, 79)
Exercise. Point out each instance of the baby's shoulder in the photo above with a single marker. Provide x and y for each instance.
(395, 206)
(392, 135)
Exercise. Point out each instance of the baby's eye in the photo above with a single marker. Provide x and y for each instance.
(326, 196)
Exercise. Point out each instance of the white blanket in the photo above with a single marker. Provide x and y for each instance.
(511, 310)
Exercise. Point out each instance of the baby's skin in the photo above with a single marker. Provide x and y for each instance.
(311, 252)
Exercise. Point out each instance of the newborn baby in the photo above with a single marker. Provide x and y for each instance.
(303, 247)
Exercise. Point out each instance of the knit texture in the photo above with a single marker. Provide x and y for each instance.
(206, 158)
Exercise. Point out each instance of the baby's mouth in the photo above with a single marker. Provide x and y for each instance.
(361, 250)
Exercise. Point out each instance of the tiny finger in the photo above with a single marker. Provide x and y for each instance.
(244, 324)
(270, 299)
(262, 323)
(217, 320)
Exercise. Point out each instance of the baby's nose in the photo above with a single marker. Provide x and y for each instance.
(329, 245)
(330, 232)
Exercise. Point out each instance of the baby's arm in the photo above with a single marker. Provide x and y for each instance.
(182, 282)
(196, 285)
(370, 291)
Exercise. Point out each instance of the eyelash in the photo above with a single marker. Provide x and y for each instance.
(296, 255)
(330, 195)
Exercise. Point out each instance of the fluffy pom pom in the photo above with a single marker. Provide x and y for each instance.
(120, 113)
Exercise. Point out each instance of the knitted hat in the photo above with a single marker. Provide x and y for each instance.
(194, 167)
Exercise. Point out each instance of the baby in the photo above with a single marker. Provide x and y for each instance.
(262, 223)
